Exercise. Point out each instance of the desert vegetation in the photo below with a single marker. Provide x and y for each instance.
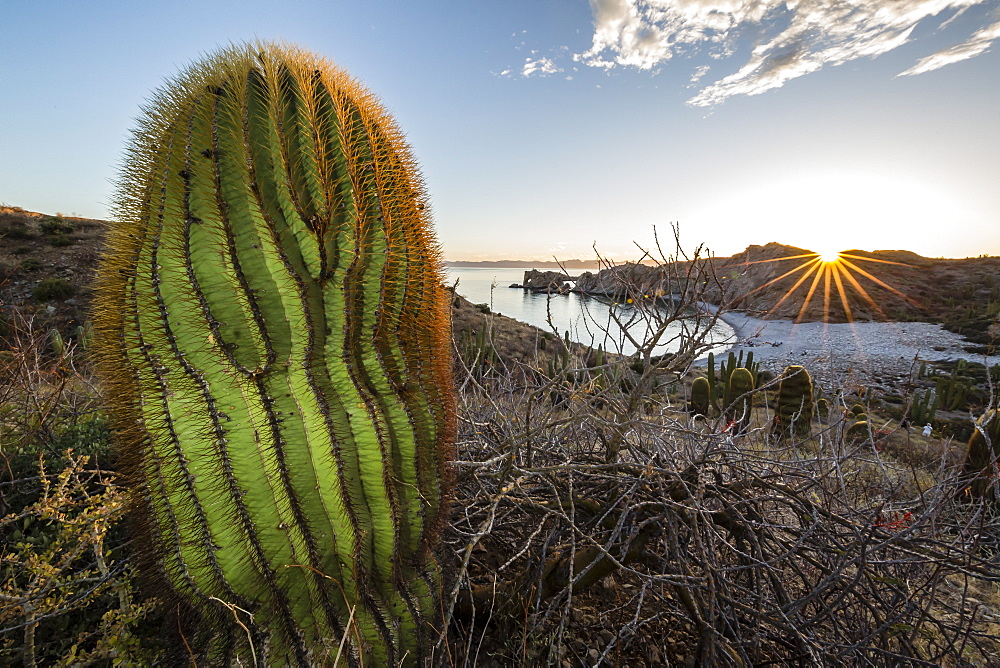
(596, 518)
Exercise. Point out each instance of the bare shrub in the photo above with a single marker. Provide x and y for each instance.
(65, 589)
(597, 523)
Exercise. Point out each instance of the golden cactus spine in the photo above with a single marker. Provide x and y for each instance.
(273, 334)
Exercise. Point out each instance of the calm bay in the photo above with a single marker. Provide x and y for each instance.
(587, 319)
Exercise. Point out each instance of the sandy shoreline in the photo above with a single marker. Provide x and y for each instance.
(835, 353)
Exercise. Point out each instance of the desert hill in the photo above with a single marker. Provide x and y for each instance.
(47, 262)
(963, 294)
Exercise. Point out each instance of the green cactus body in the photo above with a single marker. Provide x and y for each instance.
(700, 396)
(713, 392)
(794, 409)
(981, 455)
(273, 334)
(859, 431)
(739, 399)
(923, 410)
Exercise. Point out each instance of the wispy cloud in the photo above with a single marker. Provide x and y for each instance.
(539, 66)
(793, 38)
(977, 44)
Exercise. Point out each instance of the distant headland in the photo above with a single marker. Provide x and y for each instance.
(527, 264)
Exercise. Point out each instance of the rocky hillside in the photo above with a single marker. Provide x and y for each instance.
(47, 265)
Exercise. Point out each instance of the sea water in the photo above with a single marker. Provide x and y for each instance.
(587, 319)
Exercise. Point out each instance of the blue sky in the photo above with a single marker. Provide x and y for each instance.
(544, 127)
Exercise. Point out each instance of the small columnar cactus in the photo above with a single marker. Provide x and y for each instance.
(273, 333)
(823, 407)
(739, 398)
(982, 459)
(713, 389)
(794, 408)
(700, 396)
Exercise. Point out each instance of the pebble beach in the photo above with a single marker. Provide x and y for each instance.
(882, 353)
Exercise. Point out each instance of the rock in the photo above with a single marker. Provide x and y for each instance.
(627, 278)
(546, 281)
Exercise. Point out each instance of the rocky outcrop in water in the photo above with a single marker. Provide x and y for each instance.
(546, 281)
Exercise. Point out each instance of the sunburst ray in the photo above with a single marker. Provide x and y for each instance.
(836, 271)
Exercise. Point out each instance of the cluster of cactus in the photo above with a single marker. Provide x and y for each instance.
(982, 459)
(952, 392)
(794, 403)
(733, 362)
(559, 363)
(730, 393)
(477, 351)
(274, 339)
(859, 428)
(568, 372)
(719, 385)
(923, 408)
(83, 336)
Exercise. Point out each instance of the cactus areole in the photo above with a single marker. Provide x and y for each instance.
(273, 335)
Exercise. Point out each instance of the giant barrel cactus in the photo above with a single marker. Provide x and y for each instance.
(273, 336)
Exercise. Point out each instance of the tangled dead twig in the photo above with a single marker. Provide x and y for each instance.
(597, 520)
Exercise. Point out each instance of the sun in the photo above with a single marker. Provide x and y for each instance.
(828, 256)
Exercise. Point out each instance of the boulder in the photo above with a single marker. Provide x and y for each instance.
(546, 281)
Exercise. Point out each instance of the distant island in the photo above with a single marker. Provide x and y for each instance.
(527, 264)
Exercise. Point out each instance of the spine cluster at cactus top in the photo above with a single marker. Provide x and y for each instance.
(273, 334)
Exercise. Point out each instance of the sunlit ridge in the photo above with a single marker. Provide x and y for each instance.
(832, 270)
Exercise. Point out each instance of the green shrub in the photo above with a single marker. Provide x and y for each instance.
(49, 289)
(17, 231)
(30, 264)
(61, 240)
(56, 226)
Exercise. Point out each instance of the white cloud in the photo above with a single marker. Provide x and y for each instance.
(699, 72)
(977, 44)
(793, 37)
(540, 66)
